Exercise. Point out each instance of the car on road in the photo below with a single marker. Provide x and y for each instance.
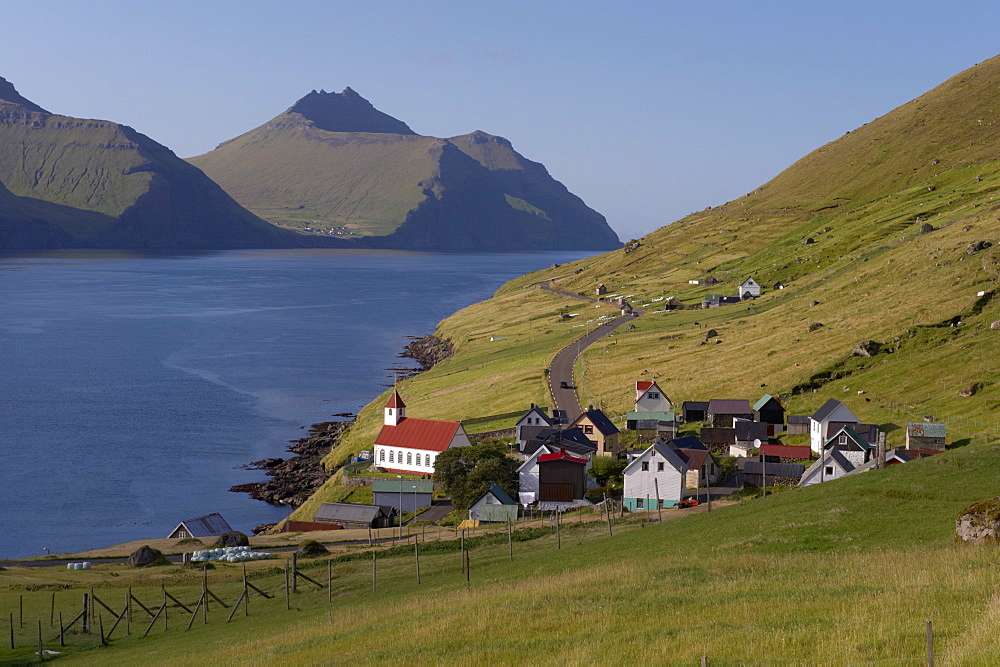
(564, 385)
(684, 504)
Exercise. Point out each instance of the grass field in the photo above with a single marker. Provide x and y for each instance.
(805, 576)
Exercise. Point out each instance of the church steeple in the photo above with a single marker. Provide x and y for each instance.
(395, 410)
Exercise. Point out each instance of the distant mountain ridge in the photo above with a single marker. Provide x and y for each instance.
(72, 182)
(334, 163)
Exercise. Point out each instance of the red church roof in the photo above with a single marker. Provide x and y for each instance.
(428, 434)
(395, 401)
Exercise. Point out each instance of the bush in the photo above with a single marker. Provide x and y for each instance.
(311, 549)
(187, 540)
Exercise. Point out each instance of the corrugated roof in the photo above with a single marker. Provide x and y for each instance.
(797, 419)
(642, 385)
(209, 525)
(718, 436)
(925, 430)
(729, 406)
(750, 430)
(853, 435)
(694, 405)
(695, 458)
(499, 494)
(426, 434)
(786, 451)
(334, 512)
(409, 486)
(560, 456)
(793, 470)
(395, 401)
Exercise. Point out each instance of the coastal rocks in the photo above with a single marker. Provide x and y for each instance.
(233, 538)
(263, 528)
(145, 556)
(866, 348)
(976, 246)
(294, 480)
(979, 522)
(428, 351)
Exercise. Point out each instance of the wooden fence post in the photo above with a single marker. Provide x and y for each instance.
(12, 629)
(41, 655)
(62, 635)
(416, 556)
(607, 512)
(329, 581)
(930, 644)
(374, 570)
(510, 541)
(52, 610)
(659, 513)
(295, 572)
(287, 603)
(558, 536)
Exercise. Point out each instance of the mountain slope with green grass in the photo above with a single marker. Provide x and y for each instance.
(334, 165)
(95, 183)
(901, 258)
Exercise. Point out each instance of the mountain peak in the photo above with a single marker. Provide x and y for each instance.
(346, 112)
(9, 94)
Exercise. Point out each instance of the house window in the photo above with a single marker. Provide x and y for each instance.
(829, 470)
(391, 455)
(638, 503)
(418, 459)
(843, 440)
(409, 457)
(181, 534)
(653, 394)
(659, 466)
(645, 466)
(381, 455)
(588, 429)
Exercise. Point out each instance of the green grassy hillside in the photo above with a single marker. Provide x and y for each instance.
(126, 189)
(334, 164)
(869, 273)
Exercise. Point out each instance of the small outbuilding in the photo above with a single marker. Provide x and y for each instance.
(722, 411)
(209, 525)
(354, 515)
(925, 434)
(494, 506)
(561, 478)
(405, 495)
(694, 411)
(798, 425)
(768, 410)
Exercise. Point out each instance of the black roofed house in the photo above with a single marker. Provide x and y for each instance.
(354, 515)
(599, 430)
(718, 439)
(553, 440)
(722, 411)
(831, 465)
(819, 423)
(209, 525)
(768, 410)
(750, 434)
(852, 445)
(749, 289)
(530, 423)
(798, 425)
(694, 411)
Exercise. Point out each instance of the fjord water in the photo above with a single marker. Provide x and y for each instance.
(133, 387)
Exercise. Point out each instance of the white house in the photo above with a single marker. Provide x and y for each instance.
(749, 288)
(527, 476)
(658, 471)
(530, 423)
(831, 411)
(833, 465)
(650, 398)
(410, 446)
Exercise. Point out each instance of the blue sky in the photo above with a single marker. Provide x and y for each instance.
(647, 110)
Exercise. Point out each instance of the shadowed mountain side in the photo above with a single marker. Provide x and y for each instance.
(395, 189)
(94, 183)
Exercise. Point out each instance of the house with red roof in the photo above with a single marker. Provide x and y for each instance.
(650, 398)
(408, 445)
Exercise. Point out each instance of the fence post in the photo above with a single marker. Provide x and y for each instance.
(659, 513)
(510, 541)
(100, 625)
(295, 572)
(930, 644)
(463, 550)
(41, 656)
(704, 661)
(52, 610)
(62, 635)
(287, 604)
(21, 614)
(416, 555)
(607, 512)
(86, 606)
(12, 629)
(128, 612)
(374, 570)
(329, 581)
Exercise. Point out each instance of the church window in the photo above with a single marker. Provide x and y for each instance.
(409, 456)
(391, 458)
(418, 459)
(381, 455)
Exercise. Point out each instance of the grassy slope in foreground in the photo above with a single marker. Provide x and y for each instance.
(810, 575)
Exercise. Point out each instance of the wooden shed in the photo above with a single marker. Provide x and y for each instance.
(561, 478)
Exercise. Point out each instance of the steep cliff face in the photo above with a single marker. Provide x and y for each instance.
(338, 166)
(102, 184)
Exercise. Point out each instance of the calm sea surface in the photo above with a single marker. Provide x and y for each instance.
(132, 387)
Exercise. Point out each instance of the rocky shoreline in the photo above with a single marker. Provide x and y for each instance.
(293, 480)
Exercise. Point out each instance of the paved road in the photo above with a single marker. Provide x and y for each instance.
(436, 512)
(561, 369)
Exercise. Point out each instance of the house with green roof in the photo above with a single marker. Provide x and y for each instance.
(494, 506)
(768, 410)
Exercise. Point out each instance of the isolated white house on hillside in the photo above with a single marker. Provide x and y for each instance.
(749, 288)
